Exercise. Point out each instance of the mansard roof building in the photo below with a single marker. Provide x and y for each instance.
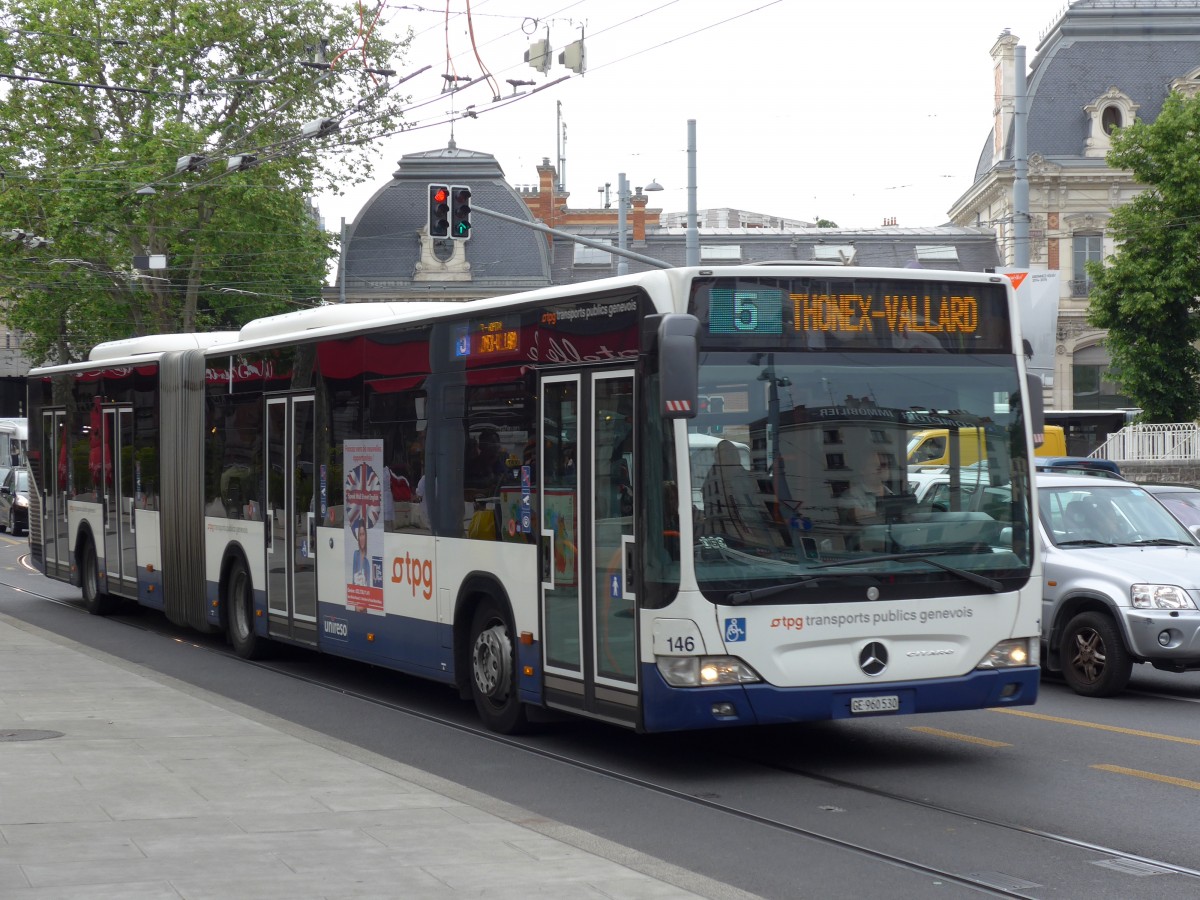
(389, 254)
(1101, 65)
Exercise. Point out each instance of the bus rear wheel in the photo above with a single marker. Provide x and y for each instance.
(239, 613)
(494, 670)
(98, 602)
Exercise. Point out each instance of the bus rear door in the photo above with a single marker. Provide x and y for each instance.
(290, 519)
(117, 490)
(589, 620)
(55, 470)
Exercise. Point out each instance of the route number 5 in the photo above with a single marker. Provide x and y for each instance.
(745, 312)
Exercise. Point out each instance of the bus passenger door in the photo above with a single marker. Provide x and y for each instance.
(290, 519)
(56, 546)
(589, 617)
(116, 489)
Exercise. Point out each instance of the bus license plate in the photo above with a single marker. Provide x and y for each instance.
(889, 703)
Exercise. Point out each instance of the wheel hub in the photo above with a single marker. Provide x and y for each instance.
(492, 662)
(1089, 655)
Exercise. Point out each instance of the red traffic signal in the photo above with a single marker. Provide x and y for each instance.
(439, 210)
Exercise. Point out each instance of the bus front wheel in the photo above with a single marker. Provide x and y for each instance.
(493, 670)
(239, 611)
(98, 602)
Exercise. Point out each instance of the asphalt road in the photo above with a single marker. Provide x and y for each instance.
(1069, 798)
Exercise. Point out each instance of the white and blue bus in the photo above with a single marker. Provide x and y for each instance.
(14, 438)
(671, 500)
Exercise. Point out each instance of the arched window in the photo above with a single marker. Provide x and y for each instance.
(1111, 119)
(1091, 382)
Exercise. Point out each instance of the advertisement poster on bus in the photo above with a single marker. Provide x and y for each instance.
(560, 519)
(363, 463)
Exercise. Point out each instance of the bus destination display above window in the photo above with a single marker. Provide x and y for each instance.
(845, 314)
(488, 338)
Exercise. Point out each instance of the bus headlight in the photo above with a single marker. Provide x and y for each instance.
(705, 671)
(1160, 596)
(23, 502)
(1008, 654)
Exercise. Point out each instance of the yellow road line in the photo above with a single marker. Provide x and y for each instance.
(1150, 776)
(969, 738)
(1114, 728)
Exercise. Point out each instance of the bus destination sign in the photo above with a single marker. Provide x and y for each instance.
(858, 314)
(488, 338)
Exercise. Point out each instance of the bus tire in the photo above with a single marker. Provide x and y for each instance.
(493, 661)
(239, 612)
(1094, 660)
(98, 602)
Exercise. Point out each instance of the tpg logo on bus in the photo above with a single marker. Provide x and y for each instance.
(416, 571)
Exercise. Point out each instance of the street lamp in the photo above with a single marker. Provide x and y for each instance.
(622, 214)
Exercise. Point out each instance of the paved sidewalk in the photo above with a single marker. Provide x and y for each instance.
(117, 782)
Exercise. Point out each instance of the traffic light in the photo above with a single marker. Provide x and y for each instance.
(539, 55)
(574, 57)
(439, 210)
(460, 212)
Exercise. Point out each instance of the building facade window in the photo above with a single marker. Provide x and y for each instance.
(591, 256)
(1092, 384)
(1111, 119)
(720, 252)
(1085, 248)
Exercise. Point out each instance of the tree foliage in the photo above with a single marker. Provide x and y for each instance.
(1148, 293)
(93, 169)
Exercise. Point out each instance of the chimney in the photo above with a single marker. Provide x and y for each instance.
(1005, 74)
(638, 205)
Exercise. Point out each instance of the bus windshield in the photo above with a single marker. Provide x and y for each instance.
(800, 476)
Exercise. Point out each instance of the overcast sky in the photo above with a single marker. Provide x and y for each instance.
(850, 110)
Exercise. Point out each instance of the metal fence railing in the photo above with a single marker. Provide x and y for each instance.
(1171, 441)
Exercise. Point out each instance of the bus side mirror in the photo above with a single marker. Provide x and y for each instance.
(1037, 409)
(679, 365)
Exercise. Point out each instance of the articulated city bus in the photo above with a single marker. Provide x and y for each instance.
(670, 500)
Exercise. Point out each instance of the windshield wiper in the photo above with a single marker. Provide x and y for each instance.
(1159, 542)
(1085, 542)
(927, 557)
(737, 598)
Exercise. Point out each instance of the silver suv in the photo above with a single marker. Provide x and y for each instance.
(1122, 583)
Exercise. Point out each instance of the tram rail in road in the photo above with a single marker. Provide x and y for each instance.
(1080, 862)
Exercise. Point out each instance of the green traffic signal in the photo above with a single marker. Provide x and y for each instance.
(460, 212)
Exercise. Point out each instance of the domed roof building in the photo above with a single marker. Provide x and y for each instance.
(389, 253)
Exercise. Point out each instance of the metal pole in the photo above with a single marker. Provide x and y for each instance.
(1020, 167)
(692, 242)
(566, 235)
(622, 207)
(342, 264)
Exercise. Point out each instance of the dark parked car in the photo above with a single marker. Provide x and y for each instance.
(1078, 465)
(1181, 500)
(14, 501)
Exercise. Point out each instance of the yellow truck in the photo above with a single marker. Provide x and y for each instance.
(931, 447)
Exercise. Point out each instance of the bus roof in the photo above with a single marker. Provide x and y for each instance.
(152, 344)
(338, 314)
(335, 319)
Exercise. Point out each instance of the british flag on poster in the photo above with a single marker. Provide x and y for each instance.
(363, 486)
(364, 493)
